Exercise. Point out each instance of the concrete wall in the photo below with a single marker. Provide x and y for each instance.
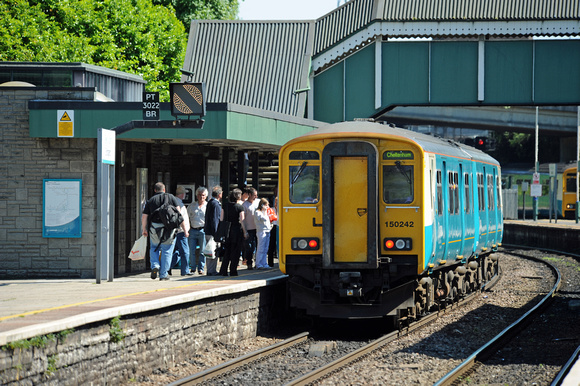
(25, 163)
(152, 341)
(535, 235)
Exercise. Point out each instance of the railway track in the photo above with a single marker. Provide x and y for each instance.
(238, 363)
(491, 347)
(332, 369)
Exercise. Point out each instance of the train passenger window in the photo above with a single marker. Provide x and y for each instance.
(456, 191)
(480, 192)
(398, 183)
(497, 192)
(490, 192)
(467, 195)
(453, 193)
(439, 194)
(303, 155)
(304, 184)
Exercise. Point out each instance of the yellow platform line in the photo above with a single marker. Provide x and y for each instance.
(102, 300)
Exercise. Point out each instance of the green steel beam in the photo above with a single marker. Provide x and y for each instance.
(447, 73)
(222, 123)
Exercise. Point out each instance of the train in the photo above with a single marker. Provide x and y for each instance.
(565, 201)
(382, 222)
(567, 192)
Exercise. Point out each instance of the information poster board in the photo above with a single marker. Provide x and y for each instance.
(61, 209)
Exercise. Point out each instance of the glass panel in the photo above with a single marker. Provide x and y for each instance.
(307, 155)
(570, 184)
(398, 184)
(304, 184)
(57, 79)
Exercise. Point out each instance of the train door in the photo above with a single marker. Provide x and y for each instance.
(444, 211)
(349, 197)
(461, 207)
(469, 209)
(485, 212)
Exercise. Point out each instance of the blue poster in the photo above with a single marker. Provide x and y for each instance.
(62, 215)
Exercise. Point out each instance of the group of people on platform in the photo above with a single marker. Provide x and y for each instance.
(239, 229)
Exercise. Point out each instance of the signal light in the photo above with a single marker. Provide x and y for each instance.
(305, 243)
(398, 244)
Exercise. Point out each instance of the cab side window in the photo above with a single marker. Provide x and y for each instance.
(304, 184)
(398, 183)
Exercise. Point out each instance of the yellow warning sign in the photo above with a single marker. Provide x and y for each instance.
(65, 122)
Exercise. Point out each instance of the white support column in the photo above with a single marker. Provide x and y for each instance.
(481, 70)
(378, 72)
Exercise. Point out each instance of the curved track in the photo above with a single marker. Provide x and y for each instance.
(504, 336)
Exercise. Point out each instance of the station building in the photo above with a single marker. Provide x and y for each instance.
(266, 82)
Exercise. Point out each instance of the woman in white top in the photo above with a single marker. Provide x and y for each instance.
(263, 228)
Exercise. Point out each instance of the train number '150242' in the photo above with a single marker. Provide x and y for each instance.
(400, 224)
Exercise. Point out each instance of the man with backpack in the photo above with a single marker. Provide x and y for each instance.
(160, 221)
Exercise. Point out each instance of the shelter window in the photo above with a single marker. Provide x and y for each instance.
(304, 184)
(398, 183)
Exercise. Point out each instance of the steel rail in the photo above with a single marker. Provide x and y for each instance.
(565, 370)
(241, 361)
(331, 367)
(504, 336)
(358, 354)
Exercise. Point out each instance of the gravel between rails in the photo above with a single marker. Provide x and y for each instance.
(427, 355)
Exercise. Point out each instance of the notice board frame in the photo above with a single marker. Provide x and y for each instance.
(59, 198)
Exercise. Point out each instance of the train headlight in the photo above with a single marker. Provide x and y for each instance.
(398, 243)
(305, 243)
(570, 206)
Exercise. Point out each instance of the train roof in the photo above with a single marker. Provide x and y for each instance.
(427, 142)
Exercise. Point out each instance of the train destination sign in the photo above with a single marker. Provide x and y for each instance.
(398, 154)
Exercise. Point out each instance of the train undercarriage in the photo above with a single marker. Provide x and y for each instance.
(389, 291)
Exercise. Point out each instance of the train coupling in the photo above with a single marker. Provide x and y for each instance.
(350, 284)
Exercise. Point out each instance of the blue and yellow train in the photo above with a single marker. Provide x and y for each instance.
(377, 221)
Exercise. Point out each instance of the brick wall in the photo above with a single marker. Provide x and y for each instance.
(25, 163)
(152, 341)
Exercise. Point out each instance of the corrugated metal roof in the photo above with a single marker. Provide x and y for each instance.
(258, 64)
(359, 14)
(342, 22)
(479, 10)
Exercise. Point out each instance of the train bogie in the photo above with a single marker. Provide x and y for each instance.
(378, 221)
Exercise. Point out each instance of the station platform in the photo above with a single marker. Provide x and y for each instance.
(561, 235)
(560, 223)
(34, 307)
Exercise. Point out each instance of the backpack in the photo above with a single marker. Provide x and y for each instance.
(169, 215)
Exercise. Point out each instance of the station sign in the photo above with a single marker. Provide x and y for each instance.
(150, 106)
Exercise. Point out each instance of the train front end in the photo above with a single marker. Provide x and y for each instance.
(351, 223)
